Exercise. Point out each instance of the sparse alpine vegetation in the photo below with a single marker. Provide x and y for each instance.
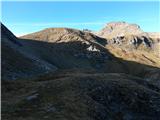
(69, 74)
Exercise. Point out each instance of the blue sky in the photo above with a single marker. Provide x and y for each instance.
(27, 17)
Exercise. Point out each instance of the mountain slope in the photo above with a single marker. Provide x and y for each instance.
(73, 49)
(18, 63)
(81, 96)
(129, 42)
(84, 50)
(65, 74)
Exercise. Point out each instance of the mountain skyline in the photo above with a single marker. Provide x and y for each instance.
(79, 15)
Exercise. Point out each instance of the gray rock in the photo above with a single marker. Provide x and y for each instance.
(32, 97)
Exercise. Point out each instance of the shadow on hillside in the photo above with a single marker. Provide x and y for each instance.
(71, 55)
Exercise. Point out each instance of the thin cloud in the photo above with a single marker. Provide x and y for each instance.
(20, 34)
(76, 0)
(56, 24)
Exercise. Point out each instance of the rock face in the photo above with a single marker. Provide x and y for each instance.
(64, 74)
(128, 35)
(132, 41)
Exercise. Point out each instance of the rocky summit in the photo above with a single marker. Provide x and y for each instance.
(117, 29)
(69, 74)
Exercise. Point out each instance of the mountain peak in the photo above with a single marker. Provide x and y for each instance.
(59, 35)
(120, 29)
(122, 24)
(60, 30)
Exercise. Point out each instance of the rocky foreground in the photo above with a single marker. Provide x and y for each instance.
(68, 74)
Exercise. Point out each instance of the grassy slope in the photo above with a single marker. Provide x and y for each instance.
(80, 95)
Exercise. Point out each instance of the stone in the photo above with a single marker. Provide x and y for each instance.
(32, 97)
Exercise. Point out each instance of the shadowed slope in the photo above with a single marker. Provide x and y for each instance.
(77, 49)
(89, 84)
(81, 96)
(17, 62)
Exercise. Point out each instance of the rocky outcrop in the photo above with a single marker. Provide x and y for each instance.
(122, 33)
(129, 42)
(133, 42)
